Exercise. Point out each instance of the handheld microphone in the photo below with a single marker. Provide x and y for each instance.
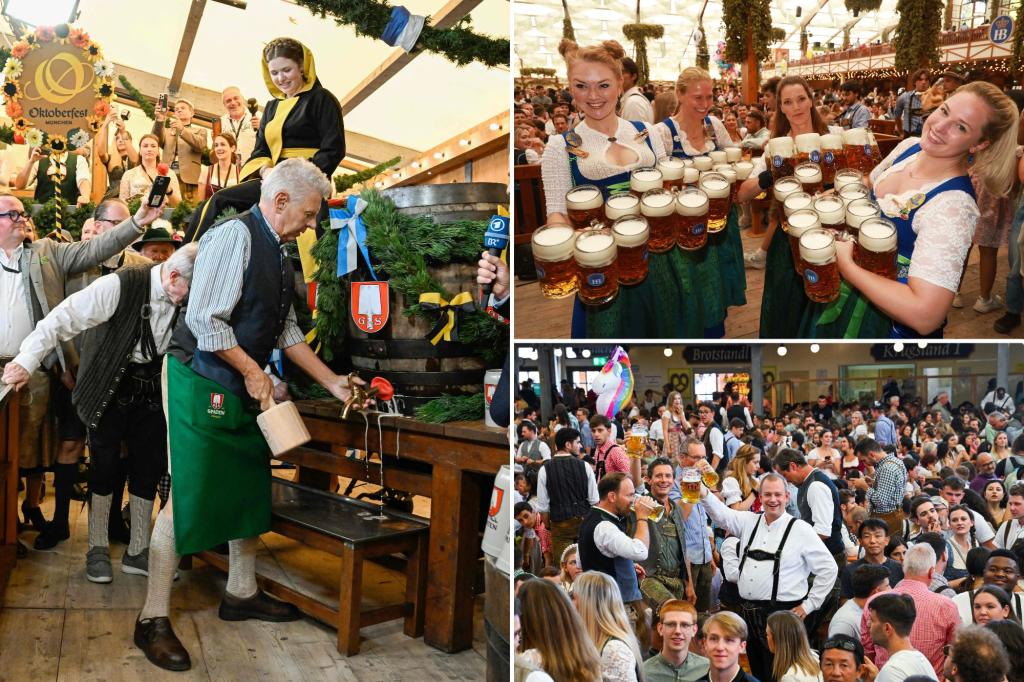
(161, 183)
(495, 241)
(253, 105)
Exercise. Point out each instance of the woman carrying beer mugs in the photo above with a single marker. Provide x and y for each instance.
(783, 301)
(924, 189)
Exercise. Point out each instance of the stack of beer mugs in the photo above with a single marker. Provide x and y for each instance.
(585, 206)
(860, 149)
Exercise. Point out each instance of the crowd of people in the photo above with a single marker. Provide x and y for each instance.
(951, 183)
(878, 539)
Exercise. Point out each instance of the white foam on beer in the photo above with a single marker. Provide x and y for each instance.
(853, 191)
(688, 162)
(729, 174)
(808, 142)
(814, 247)
(702, 163)
(845, 177)
(715, 188)
(784, 187)
(801, 221)
(733, 154)
(796, 201)
(831, 141)
(718, 156)
(630, 232)
(645, 179)
(621, 205)
(671, 168)
(719, 167)
(594, 249)
(657, 204)
(691, 203)
(781, 146)
(691, 175)
(808, 173)
(855, 136)
(877, 235)
(743, 169)
(831, 210)
(858, 211)
(553, 243)
(584, 198)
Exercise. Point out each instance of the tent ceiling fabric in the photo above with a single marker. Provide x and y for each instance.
(538, 28)
(425, 104)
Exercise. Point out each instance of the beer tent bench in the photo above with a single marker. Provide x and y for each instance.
(354, 531)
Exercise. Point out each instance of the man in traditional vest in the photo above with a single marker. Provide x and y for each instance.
(778, 553)
(713, 436)
(240, 310)
(533, 452)
(566, 490)
(665, 566)
(117, 395)
(41, 173)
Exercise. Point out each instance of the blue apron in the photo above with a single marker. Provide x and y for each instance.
(677, 146)
(675, 282)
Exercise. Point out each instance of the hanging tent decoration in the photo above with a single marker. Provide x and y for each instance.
(638, 34)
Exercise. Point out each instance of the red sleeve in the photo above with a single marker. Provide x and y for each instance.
(865, 634)
(617, 460)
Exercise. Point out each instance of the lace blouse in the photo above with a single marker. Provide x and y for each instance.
(944, 225)
(555, 161)
(617, 662)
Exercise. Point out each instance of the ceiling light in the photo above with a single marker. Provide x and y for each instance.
(415, 164)
(782, 350)
(464, 142)
(922, 344)
(815, 348)
(495, 127)
(570, 353)
(524, 352)
(898, 347)
(558, 352)
(586, 353)
(438, 155)
(668, 352)
(395, 175)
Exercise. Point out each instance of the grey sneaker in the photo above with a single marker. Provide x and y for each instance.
(136, 565)
(97, 565)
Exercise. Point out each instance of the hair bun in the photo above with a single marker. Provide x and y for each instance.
(614, 48)
(568, 48)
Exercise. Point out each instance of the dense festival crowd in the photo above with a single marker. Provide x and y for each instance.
(829, 540)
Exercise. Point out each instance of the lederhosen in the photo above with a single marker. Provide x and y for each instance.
(851, 315)
(846, 118)
(684, 295)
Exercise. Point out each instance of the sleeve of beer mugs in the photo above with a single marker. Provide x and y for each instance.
(613, 542)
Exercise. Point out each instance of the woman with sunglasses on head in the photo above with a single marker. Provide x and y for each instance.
(924, 188)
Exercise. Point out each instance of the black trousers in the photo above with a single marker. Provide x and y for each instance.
(134, 417)
(240, 197)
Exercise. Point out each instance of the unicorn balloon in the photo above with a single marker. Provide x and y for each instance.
(614, 385)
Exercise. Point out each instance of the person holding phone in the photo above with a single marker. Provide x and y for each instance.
(182, 143)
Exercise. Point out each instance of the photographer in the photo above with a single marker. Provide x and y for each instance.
(123, 156)
(182, 143)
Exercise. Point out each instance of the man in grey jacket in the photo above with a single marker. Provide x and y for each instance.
(32, 282)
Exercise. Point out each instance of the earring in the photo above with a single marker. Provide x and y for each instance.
(970, 158)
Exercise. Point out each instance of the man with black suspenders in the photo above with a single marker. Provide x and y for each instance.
(778, 553)
(1013, 529)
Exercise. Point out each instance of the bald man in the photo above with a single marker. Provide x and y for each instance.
(238, 122)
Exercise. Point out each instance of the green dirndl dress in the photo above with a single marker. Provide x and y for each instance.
(783, 301)
(219, 459)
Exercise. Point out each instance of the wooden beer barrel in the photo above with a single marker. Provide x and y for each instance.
(400, 352)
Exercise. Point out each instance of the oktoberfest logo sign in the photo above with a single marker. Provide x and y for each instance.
(57, 88)
(370, 305)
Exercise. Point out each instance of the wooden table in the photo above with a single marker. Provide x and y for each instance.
(8, 487)
(453, 464)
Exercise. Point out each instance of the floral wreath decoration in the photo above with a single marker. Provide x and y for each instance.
(22, 131)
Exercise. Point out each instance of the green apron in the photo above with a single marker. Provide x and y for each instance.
(220, 462)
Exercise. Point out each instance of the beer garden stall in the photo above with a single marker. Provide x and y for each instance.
(424, 176)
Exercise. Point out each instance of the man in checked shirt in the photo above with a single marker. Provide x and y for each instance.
(885, 493)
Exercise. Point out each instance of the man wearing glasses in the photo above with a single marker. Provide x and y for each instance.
(32, 282)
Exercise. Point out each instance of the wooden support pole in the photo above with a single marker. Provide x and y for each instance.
(750, 71)
(188, 37)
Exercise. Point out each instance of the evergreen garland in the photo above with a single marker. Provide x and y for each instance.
(917, 34)
(863, 5)
(459, 44)
(741, 15)
(181, 214)
(331, 321)
(638, 34)
(567, 30)
(703, 58)
(536, 71)
(147, 107)
(452, 408)
(1017, 56)
(343, 183)
(45, 219)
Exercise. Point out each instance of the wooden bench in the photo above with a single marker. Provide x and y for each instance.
(531, 213)
(354, 531)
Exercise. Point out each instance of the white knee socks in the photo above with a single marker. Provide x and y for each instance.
(162, 563)
(142, 512)
(99, 513)
(242, 567)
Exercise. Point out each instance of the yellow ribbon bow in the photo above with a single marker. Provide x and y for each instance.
(447, 324)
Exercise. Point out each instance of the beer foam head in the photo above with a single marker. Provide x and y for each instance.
(690, 175)
(657, 203)
(631, 231)
(743, 169)
(855, 136)
(715, 185)
(808, 142)
(830, 209)
(718, 156)
(595, 248)
(831, 141)
(852, 191)
(817, 247)
(719, 167)
(688, 163)
(847, 175)
(584, 197)
(691, 202)
(643, 179)
(782, 146)
(622, 204)
(553, 242)
(860, 210)
(671, 168)
(784, 187)
(796, 201)
(878, 235)
(729, 174)
(801, 221)
(702, 163)
(733, 154)
(808, 173)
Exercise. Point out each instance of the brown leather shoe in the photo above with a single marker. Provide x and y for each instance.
(162, 647)
(260, 606)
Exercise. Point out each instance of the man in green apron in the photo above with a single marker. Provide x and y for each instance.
(240, 310)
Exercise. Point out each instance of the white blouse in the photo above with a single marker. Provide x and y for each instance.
(617, 662)
(555, 161)
(721, 138)
(944, 225)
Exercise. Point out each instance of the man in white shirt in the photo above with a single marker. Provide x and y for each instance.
(892, 617)
(532, 451)
(868, 579)
(117, 394)
(1000, 399)
(634, 103)
(778, 555)
(238, 122)
(1013, 529)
